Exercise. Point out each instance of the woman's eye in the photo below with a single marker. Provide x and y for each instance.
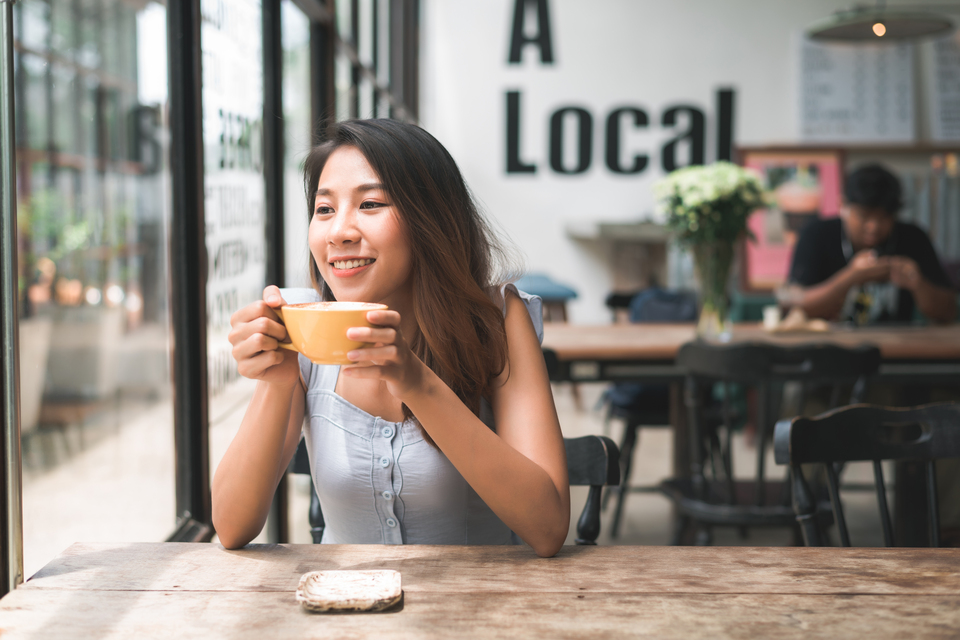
(370, 204)
(322, 210)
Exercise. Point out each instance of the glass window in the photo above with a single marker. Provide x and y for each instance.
(93, 208)
(231, 43)
(298, 137)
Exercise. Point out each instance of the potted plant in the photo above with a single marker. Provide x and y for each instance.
(707, 209)
(66, 267)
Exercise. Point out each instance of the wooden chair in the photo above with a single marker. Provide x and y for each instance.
(722, 500)
(642, 405)
(592, 461)
(866, 433)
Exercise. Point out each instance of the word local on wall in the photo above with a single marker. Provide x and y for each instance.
(615, 122)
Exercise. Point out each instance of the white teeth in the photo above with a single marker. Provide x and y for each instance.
(351, 264)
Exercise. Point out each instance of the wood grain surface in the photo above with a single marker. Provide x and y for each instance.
(166, 615)
(662, 341)
(498, 569)
(170, 590)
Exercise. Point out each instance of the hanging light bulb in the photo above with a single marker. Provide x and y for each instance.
(866, 25)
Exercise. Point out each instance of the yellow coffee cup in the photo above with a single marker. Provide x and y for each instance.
(318, 330)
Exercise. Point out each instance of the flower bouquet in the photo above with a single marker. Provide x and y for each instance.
(707, 209)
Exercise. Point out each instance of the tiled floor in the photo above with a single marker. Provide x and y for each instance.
(117, 483)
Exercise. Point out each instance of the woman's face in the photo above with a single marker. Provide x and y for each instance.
(355, 234)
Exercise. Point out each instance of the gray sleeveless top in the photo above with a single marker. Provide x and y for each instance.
(380, 481)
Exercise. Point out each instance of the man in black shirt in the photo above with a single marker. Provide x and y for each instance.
(866, 266)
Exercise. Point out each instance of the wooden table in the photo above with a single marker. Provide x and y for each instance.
(646, 351)
(189, 590)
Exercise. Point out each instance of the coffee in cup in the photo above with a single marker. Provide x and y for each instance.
(318, 330)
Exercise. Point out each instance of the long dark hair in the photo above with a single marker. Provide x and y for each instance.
(455, 254)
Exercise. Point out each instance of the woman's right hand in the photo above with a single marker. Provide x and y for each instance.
(256, 332)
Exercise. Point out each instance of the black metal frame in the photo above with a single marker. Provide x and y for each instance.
(188, 271)
(273, 150)
(11, 511)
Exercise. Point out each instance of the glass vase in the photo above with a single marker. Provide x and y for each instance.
(712, 261)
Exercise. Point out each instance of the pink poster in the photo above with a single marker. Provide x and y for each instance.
(804, 185)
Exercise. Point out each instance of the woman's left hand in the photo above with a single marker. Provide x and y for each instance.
(389, 358)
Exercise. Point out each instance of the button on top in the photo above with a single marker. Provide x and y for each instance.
(387, 495)
(388, 432)
(384, 461)
(391, 522)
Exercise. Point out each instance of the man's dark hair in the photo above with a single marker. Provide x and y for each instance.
(873, 187)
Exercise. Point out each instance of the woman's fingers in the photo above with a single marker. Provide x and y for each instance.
(374, 354)
(252, 311)
(367, 371)
(375, 334)
(271, 295)
(264, 325)
(256, 366)
(253, 345)
(384, 318)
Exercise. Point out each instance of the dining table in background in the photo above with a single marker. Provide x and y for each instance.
(647, 352)
(637, 352)
(200, 590)
(911, 354)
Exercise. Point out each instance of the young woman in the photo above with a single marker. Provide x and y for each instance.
(444, 431)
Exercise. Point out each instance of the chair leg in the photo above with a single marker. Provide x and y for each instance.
(588, 527)
(317, 523)
(681, 531)
(626, 462)
(704, 537)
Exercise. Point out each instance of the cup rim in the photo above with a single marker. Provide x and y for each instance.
(359, 306)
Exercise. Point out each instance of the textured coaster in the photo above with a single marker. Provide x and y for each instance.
(349, 590)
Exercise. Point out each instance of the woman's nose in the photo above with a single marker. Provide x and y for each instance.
(344, 229)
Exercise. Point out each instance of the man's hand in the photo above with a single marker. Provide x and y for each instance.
(905, 273)
(867, 267)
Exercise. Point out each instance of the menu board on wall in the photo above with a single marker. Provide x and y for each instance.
(233, 170)
(945, 102)
(857, 92)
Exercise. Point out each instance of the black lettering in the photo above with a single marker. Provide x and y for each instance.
(725, 106)
(519, 38)
(584, 139)
(145, 147)
(613, 140)
(514, 163)
(694, 135)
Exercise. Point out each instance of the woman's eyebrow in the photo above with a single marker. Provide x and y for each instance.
(370, 186)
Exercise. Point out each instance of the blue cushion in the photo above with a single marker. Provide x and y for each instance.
(660, 305)
(541, 285)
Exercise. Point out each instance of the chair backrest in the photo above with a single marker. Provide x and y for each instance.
(866, 433)
(762, 364)
(662, 305)
(754, 362)
(592, 461)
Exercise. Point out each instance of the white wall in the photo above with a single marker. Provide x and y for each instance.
(608, 53)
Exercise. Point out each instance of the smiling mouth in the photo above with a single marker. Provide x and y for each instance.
(351, 264)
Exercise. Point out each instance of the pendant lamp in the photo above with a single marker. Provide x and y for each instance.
(879, 24)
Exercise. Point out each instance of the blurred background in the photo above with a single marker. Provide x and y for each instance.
(561, 115)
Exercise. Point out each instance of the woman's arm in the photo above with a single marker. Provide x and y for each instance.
(247, 476)
(520, 471)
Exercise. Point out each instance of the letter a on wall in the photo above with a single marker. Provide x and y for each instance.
(519, 38)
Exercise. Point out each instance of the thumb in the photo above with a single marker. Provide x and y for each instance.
(271, 295)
